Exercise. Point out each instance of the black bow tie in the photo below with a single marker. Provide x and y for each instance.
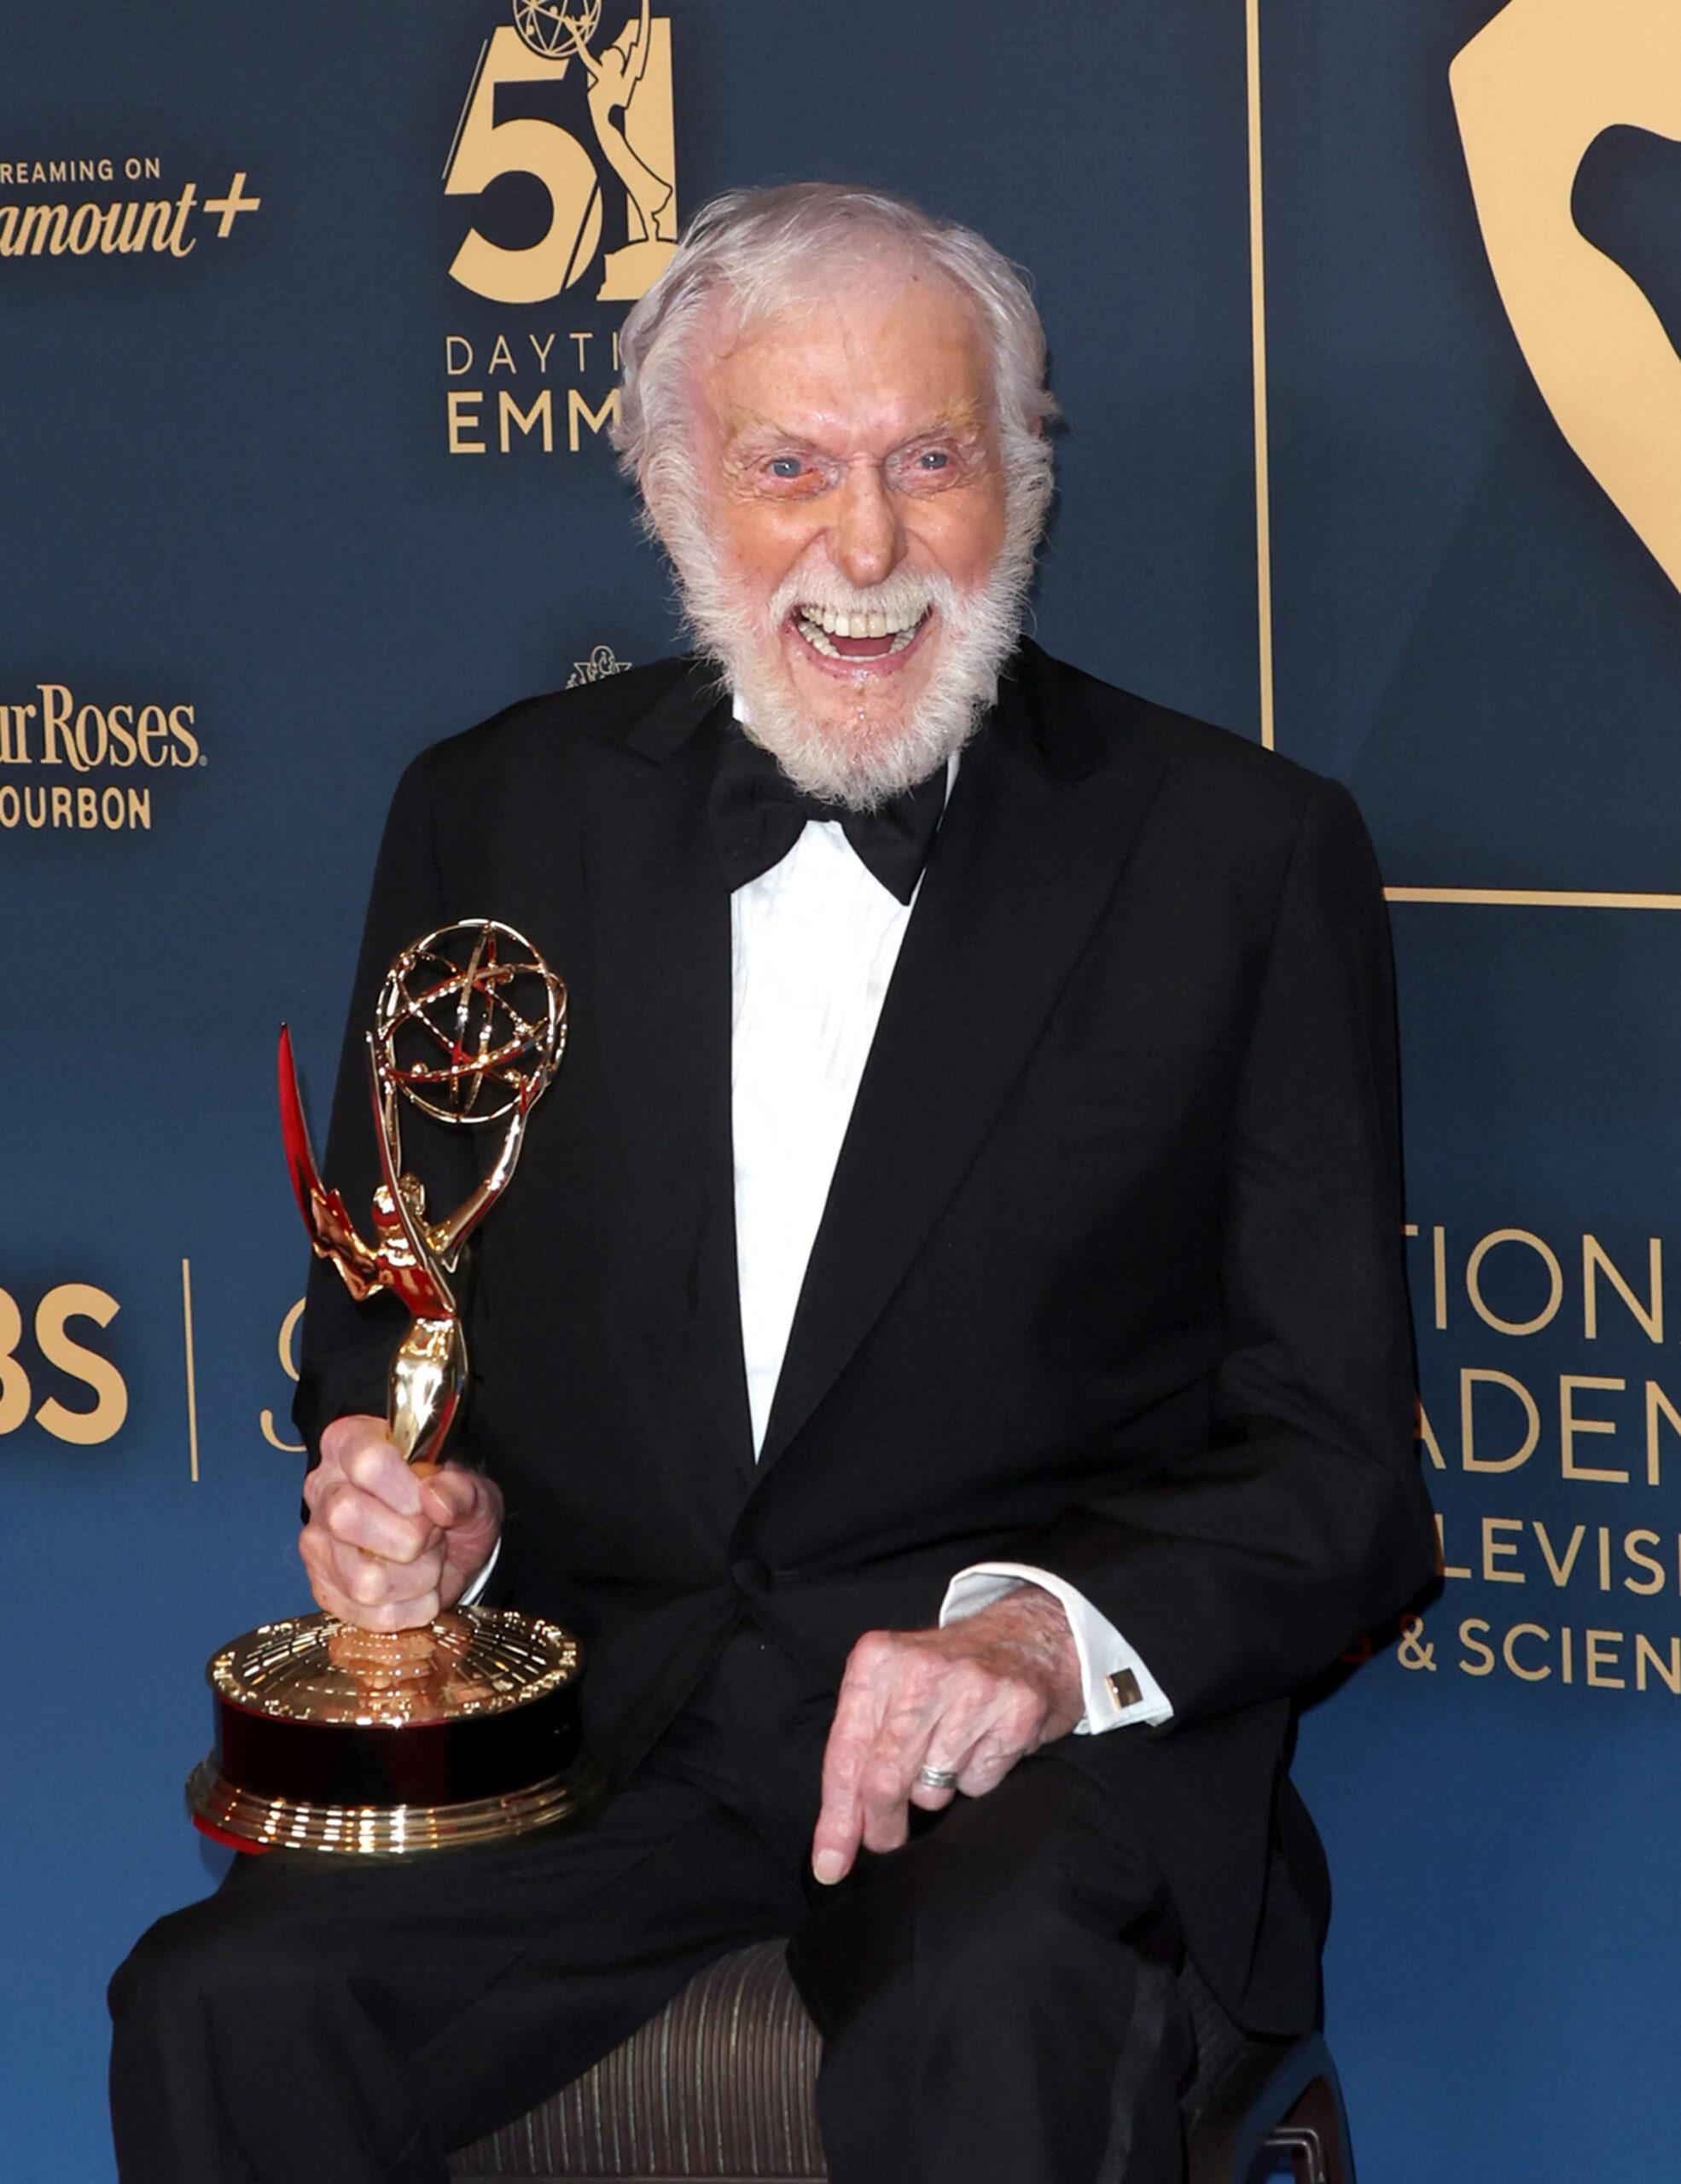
(757, 816)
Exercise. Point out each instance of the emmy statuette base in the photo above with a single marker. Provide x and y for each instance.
(335, 1739)
(243, 1822)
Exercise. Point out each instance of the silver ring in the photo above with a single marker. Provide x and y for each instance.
(939, 1778)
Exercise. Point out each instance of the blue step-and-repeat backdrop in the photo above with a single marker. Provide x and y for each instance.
(1366, 322)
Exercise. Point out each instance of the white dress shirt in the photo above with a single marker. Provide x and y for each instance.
(813, 943)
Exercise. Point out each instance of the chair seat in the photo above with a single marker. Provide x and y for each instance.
(720, 2086)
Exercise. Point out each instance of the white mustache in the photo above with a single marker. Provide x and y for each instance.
(902, 599)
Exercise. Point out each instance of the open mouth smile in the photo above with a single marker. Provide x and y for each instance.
(841, 637)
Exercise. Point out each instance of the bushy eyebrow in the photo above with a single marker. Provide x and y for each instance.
(750, 435)
(963, 418)
(757, 436)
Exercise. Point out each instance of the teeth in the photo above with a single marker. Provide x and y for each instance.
(876, 623)
(818, 624)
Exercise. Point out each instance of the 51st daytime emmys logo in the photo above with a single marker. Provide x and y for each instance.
(569, 110)
(72, 767)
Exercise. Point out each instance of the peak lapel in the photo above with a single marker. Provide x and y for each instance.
(1032, 847)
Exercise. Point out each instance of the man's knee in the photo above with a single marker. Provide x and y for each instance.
(1030, 1898)
(935, 1963)
(1000, 1998)
(171, 1968)
(214, 1961)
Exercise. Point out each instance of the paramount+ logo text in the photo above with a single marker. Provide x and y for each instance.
(73, 766)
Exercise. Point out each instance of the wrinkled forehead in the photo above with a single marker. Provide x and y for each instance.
(860, 296)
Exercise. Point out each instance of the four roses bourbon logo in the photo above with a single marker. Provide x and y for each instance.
(549, 67)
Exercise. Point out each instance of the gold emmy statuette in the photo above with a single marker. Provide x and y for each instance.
(332, 1737)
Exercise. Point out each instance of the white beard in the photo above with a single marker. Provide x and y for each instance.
(859, 760)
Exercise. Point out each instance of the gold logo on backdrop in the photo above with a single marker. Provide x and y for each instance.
(550, 29)
(161, 227)
(287, 1346)
(627, 97)
(85, 768)
(1532, 91)
(84, 1424)
(601, 663)
(1587, 1461)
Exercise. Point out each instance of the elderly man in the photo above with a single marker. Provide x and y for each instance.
(946, 1355)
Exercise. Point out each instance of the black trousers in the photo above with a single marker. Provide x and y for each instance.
(997, 1999)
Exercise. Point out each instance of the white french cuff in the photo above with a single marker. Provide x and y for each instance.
(470, 1596)
(1119, 1688)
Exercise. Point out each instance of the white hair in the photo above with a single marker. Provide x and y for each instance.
(753, 248)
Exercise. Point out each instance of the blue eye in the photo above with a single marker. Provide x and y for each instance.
(934, 458)
(786, 465)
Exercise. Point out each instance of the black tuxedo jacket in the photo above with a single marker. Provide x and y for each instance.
(1109, 1279)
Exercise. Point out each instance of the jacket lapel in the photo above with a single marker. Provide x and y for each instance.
(1031, 848)
(660, 1019)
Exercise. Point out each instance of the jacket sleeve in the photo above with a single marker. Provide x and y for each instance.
(1242, 1570)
